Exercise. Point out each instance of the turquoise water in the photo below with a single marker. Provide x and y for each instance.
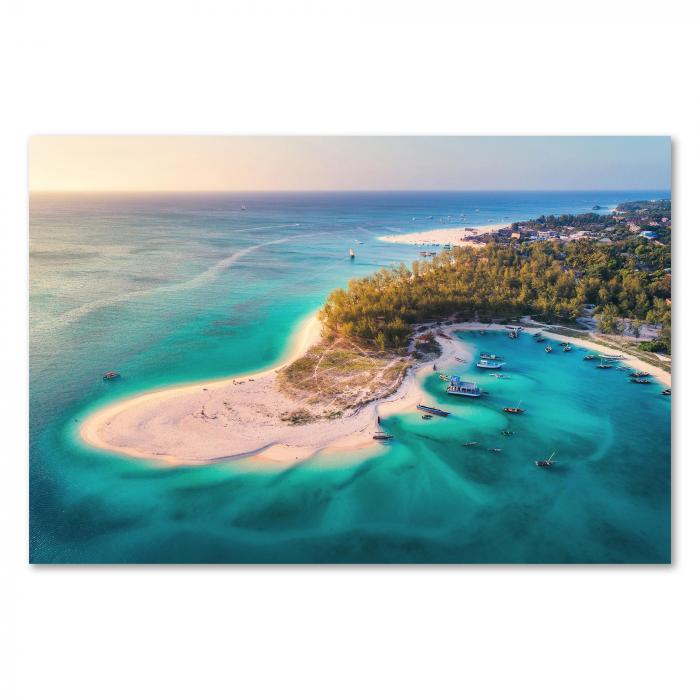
(177, 288)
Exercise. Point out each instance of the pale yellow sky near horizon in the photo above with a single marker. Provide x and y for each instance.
(250, 163)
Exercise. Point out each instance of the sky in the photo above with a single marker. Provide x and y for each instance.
(277, 163)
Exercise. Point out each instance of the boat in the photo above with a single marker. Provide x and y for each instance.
(352, 253)
(635, 380)
(507, 433)
(612, 357)
(590, 357)
(471, 444)
(494, 449)
(548, 348)
(457, 387)
(490, 364)
(382, 436)
(481, 333)
(515, 409)
(537, 335)
(639, 374)
(243, 207)
(489, 356)
(513, 335)
(540, 340)
(444, 377)
(546, 462)
(111, 375)
(498, 375)
(434, 411)
(566, 342)
(427, 416)
(602, 365)
(666, 392)
(568, 348)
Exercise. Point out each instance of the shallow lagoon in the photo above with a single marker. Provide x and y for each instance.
(141, 286)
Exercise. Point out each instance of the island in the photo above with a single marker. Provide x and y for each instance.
(599, 281)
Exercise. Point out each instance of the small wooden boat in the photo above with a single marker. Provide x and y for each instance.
(564, 343)
(514, 409)
(427, 416)
(489, 356)
(444, 377)
(432, 410)
(548, 348)
(382, 436)
(537, 335)
(612, 358)
(471, 444)
(546, 462)
(639, 374)
(507, 433)
(494, 449)
(590, 357)
(666, 392)
(568, 348)
(111, 375)
(635, 380)
(602, 365)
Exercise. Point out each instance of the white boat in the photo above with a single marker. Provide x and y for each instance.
(490, 364)
(243, 207)
(457, 387)
(352, 253)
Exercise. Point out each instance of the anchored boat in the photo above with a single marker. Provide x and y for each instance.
(514, 409)
(546, 462)
(431, 409)
(111, 375)
(490, 364)
(457, 387)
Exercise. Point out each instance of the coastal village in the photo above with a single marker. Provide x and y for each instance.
(648, 220)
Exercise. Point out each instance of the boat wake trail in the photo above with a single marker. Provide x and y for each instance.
(198, 281)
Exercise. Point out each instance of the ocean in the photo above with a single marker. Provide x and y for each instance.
(181, 287)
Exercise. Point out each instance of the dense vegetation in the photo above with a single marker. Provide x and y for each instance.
(551, 281)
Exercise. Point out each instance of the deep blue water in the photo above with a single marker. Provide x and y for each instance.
(179, 287)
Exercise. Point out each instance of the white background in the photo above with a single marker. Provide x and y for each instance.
(347, 67)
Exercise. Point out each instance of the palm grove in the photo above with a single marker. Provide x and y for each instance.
(551, 281)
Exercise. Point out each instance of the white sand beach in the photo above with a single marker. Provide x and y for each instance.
(443, 236)
(239, 417)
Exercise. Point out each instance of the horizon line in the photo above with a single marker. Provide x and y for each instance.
(340, 191)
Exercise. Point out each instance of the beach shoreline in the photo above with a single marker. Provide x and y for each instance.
(444, 236)
(167, 426)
